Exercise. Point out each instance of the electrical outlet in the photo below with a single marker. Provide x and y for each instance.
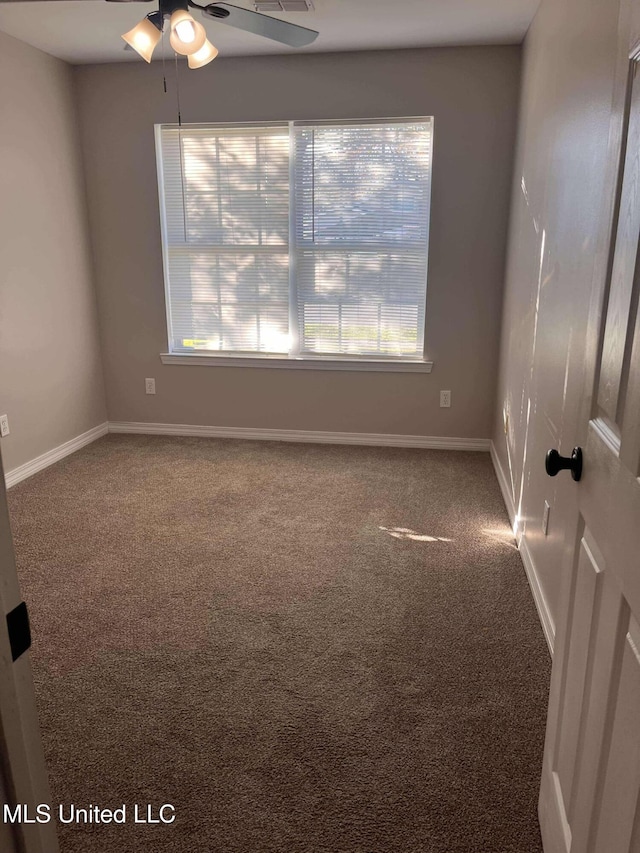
(150, 386)
(445, 399)
(4, 425)
(545, 518)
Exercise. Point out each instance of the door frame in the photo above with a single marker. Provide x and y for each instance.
(21, 753)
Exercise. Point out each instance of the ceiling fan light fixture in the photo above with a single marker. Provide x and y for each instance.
(187, 36)
(204, 56)
(143, 38)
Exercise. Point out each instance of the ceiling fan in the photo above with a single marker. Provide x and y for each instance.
(189, 38)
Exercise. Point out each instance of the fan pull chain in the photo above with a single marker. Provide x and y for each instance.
(164, 74)
(182, 177)
(178, 92)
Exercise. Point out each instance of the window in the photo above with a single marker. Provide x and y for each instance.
(306, 240)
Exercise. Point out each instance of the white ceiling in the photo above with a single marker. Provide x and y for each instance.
(82, 31)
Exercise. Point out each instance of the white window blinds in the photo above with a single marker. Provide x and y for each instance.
(361, 234)
(334, 264)
(226, 233)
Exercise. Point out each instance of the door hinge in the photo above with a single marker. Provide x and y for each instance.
(19, 630)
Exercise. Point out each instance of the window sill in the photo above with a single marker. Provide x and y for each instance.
(283, 362)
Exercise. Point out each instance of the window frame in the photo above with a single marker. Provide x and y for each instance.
(294, 358)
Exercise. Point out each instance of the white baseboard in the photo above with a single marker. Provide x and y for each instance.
(504, 486)
(16, 475)
(312, 436)
(542, 607)
(544, 614)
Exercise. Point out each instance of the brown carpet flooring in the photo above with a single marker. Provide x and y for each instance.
(241, 630)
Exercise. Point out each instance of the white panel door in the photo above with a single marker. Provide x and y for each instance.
(22, 760)
(589, 799)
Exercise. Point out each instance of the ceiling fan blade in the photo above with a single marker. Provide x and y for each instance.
(261, 25)
(83, 1)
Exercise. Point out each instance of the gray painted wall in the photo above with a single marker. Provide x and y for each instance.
(562, 189)
(472, 92)
(51, 382)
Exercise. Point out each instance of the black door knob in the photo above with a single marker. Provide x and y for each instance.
(554, 462)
